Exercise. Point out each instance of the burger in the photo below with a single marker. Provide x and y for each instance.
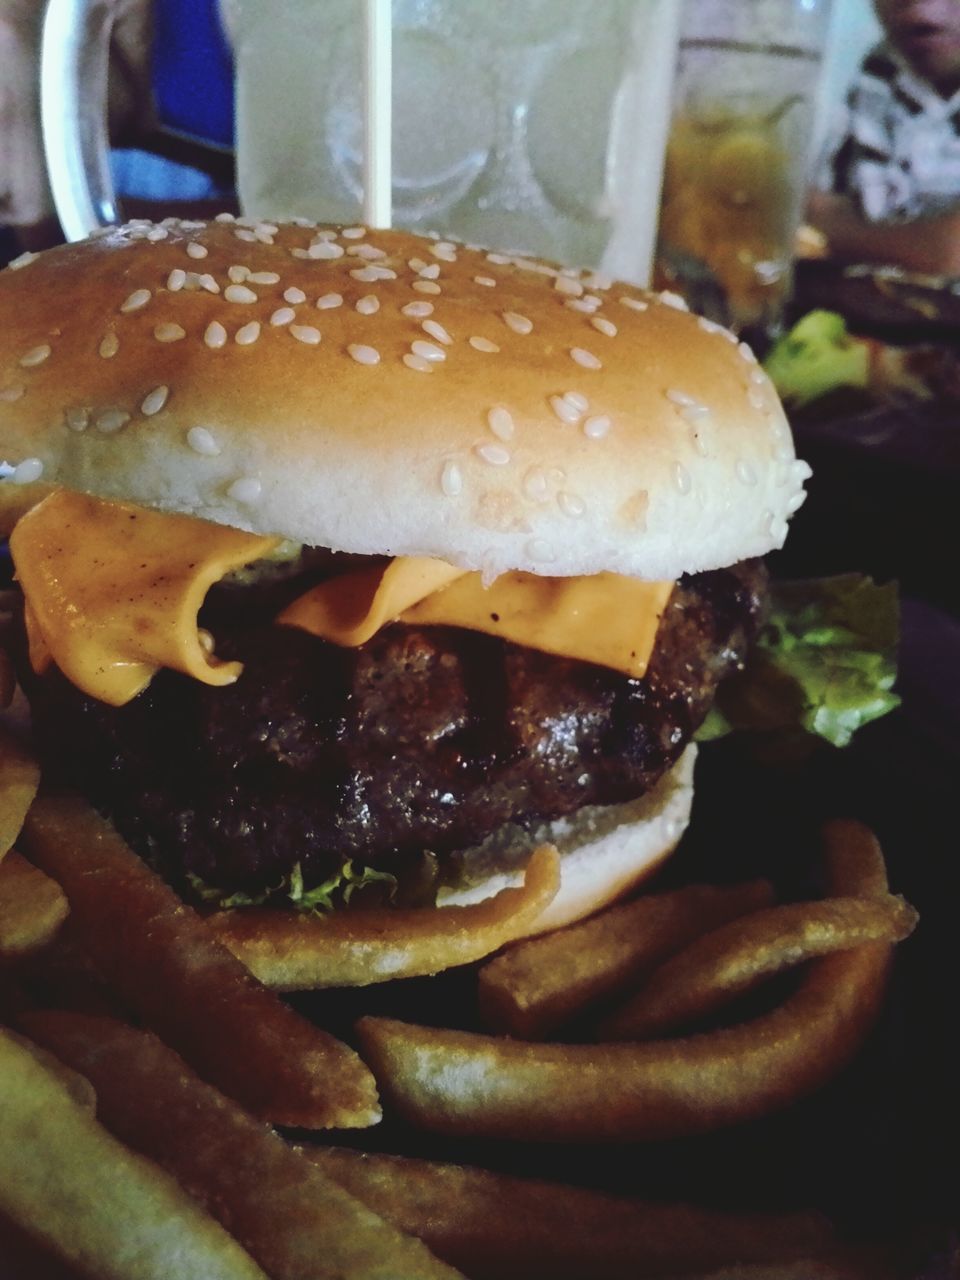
(355, 564)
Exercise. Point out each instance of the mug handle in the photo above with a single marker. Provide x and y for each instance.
(74, 61)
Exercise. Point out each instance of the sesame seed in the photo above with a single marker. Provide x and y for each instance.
(429, 271)
(27, 471)
(500, 422)
(9, 394)
(681, 478)
(243, 233)
(694, 414)
(571, 504)
(326, 302)
(282, 315)
(417, 309)
(482, 344)
(670, 299)
(586, 359)
(215, 335)
(428, 350)
(294, 295)
(239, 293)
(565, 284)
(635, 304)
(598, 281)
(245, 489)
(306, 333)
(493, 454)
(264, 277)
(758, 377)
(168, 332)
(111, 420)
(498, 259)
(418, 363)
(747, 352)
(426, 286)
(709, 326)
(139, 298)
(436, 330)
(225, 217)
(564, 410)
(264, 232)
(373, 272)
(417, 264)
(579, 402)
(488, 282)
(23, 260)
(369, 251)
(35, 356)
(604, 326)
(597, 426)
(238, 273)
(203, 442)
(299, 221)
(154, 401)
(158, 233)
(535, 485)
(451, 479)
(176, 279)
(206, 281)
(196, 250)
(78, 419)
(109, 345)
(582, 304)
(247, 333)
(325, 250)
(297, 252)
(353, 233)
(368, 305)
(518, 323)
(363, 354)
(679, 398)
(540, 549)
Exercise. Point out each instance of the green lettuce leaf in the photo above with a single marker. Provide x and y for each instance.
(337, 891)
(824, 662)
(817, 356)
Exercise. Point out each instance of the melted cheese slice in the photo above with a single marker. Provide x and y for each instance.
(605, 619)
(113, 591)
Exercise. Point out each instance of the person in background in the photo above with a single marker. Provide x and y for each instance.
(170, 116)
(890, 189)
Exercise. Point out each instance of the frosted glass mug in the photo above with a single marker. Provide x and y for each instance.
(537, 126)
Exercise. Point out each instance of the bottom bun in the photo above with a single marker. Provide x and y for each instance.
(605, 850)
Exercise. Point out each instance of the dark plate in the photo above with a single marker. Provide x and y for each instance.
(878, 301)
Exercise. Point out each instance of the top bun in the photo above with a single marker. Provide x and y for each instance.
(387, 393)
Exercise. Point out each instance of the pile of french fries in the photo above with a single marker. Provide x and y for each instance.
(149, 1079)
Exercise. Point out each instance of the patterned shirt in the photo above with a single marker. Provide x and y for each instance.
(897, 150)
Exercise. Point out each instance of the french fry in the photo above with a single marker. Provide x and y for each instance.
(158, 955)
(295, 1220)
(535, 986)
(460, 1083)
(498, 1227)
(736, 958)
(77, 1086)
(111, 1213)
(346, 949)
(32, 907)
(19, 780)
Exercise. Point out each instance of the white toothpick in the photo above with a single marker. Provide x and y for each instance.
(377, 113)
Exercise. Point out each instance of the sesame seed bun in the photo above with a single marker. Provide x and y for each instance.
(385, 393)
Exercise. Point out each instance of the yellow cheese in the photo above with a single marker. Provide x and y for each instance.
(350, 609)
(605, 618)
(113, 591)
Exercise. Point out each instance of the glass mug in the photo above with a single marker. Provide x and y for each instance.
(538, 127)
(738, 155)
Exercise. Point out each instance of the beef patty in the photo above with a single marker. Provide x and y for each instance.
(421, 739)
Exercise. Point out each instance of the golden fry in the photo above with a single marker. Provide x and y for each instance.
(32, 907)
(737, 957)
(347, 949)
(96, 1204)
(537, 985)
(19, 780)
(497, 1227)
(459, 1083)
(159, 956)
(297, 1222)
